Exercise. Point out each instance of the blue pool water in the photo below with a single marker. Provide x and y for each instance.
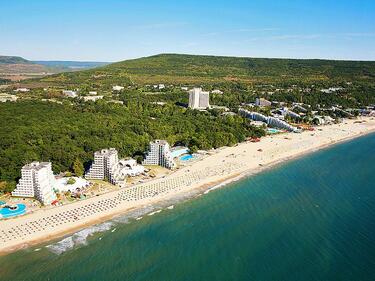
(186, 157)
(8, 213)
(178, 152)
(273, 131)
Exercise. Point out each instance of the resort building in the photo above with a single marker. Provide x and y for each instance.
(159, 154)
(22, 90)
(262, 102)
(299, 107)
(323, 120)
(37, 180)
(280, 124)
(270, 121)
(199, 99)
(258, 124)
(159, 86)
(92, 98)
(117, 88)
(104, 162)
(217, 92)
(284, 111)
(126, 168)
(116, 101)
(331, 90)
(6, 97)
(69, 93)
(107, 166)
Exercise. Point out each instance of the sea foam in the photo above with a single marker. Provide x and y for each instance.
(77, 239)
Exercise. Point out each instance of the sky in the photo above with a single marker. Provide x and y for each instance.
(110, 30)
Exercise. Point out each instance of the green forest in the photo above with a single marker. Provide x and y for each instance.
(35, 130)
(193, 69)
(68, 134)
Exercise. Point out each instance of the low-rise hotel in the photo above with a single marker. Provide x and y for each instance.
(37, 180)
(6, 97)
(262, 102)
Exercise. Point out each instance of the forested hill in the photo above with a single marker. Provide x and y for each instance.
(175, 68)
(13, 60)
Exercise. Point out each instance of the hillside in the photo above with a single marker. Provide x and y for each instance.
(17, 68)
(13, 60)
(193, 69)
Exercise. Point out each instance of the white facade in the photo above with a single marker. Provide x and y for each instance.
(117, 88)
(324, 120)
(199, 99)
(69, 93)
(107, 166)
(126, 168)
(270, 121)
(22, 90)
(6, 97)
(92, 98)
(37, 180)
(104, 162)
(159, 154)
(262, 102)
(286, 112)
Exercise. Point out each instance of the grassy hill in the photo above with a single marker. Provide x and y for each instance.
(193, 69)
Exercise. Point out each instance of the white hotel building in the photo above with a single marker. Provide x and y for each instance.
(107, 166)
(37, 180)
(199, 99)
(159, 154)
(271, 121)
(104, 161)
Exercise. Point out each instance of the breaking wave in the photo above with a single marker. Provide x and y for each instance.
(78, 239)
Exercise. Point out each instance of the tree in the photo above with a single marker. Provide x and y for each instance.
(71, 181)
(7, 187)
(78, 168)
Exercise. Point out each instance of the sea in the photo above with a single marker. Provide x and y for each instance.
(312, 218)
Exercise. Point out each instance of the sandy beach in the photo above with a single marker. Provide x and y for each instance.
(223, 166)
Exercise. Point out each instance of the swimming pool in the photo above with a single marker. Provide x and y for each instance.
(273, 131)
(8, 213)
(186, 157)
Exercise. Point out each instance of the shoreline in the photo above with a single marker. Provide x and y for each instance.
(243, 160)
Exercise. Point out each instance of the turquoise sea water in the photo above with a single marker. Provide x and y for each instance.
(310, 219)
